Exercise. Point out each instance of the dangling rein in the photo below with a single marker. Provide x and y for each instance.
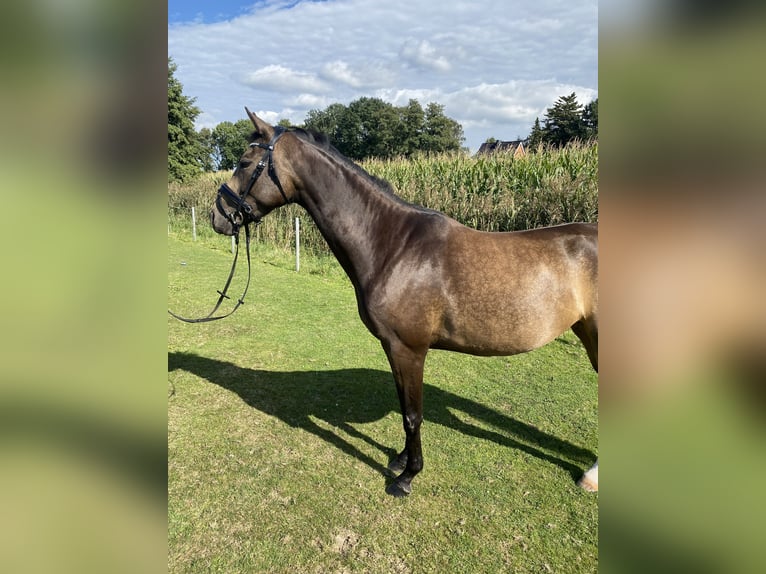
(245, 212)
(222, 294)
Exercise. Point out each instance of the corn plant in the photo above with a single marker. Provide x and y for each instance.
(497, 192)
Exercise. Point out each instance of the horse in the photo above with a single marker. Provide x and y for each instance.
(422, 280)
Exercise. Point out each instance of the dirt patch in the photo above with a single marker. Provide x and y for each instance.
(344, 541)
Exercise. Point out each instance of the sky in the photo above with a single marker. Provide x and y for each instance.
(494, 65)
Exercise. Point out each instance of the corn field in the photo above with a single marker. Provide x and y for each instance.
(492, 193)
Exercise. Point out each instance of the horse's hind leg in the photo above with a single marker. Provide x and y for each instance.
(407, 366)
(587, 331)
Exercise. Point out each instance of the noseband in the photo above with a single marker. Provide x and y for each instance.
(243, 213)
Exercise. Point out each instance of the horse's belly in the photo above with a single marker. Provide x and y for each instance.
(502, 329)
(487, 345)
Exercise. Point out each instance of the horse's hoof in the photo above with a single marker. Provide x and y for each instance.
(586, 484)
(398, 489)
(589, 480)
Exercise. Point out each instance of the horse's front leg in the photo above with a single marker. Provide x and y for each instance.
(407, 367)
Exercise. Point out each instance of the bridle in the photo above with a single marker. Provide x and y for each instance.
(242, 216)
(242, 209)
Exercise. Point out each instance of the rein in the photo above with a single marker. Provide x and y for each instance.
(222, 293)
(241, 217)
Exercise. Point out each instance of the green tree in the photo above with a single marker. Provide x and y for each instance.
(537, 136)
(348, 136)
(377, 122)
(184, 149)
(413, 127)
(371, 127)
(590, 120)
(326, 121)
(207, 149)
(441, 132)
(564, 121)
(229, 141)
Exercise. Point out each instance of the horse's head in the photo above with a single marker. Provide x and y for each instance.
(257, 186)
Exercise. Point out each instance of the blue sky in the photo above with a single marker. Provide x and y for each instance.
(208, 11)
(495, 66)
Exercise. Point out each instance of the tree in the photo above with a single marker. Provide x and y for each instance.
(441, 133)
(362, 129)
(564, 121)
(590, 119)
(326, 122)
(184, 149)
(348, 136)
(537, 136)
(230, 141)
(207, 149)
(371, 127)
(377, 122)
(413, 127)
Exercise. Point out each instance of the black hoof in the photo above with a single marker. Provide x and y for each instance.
(398, 489)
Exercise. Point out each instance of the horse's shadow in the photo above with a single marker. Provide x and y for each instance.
(346, 396)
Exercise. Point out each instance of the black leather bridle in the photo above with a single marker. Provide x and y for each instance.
(244, 213)
(242, 209)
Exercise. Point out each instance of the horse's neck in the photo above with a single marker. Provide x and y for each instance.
(354, 216)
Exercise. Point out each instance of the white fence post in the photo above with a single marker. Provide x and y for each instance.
(194, 225)
(297, 245)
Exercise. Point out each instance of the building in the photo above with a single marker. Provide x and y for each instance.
(515, 147)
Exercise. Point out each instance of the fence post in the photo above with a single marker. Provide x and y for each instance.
(194, 225)
(297, 245)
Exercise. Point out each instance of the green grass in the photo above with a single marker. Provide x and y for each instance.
(282, 418)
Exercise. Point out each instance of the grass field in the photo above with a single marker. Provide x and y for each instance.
(282, 418)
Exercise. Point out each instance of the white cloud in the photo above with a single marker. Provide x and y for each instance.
(537, 25)
(362, 75)
(422, 54)
(271, 116)
(340, 71)
(504, 110)
(309, 102)
(495, 66)
(206, 120)
(282, 79)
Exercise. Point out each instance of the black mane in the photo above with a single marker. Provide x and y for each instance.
(323, 142)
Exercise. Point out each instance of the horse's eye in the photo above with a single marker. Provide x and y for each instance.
(244, 163)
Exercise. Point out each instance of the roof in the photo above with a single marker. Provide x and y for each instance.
(515, 146)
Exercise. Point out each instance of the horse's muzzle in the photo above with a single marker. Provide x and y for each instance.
(220, 224)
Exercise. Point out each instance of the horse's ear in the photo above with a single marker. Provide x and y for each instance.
(261, 126)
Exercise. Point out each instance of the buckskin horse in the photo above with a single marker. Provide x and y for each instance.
(422, 280)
